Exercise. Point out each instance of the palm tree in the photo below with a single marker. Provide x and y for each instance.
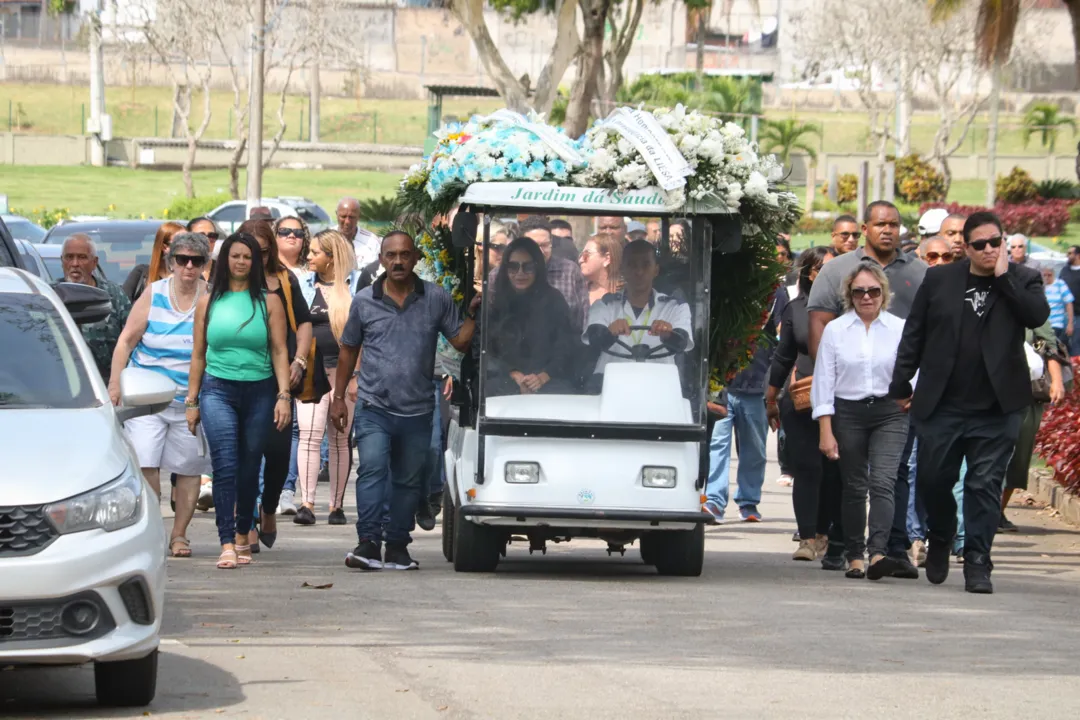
(1046, 120)
(783, 137)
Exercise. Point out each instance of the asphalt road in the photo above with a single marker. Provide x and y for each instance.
(578, 634)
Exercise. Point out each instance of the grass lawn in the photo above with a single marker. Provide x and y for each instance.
(90, 191)
(59, 109)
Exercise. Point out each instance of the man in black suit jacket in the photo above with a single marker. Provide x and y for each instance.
(965, 336)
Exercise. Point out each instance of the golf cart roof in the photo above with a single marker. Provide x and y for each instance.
(582, 200)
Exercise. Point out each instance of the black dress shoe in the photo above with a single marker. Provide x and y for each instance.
(337, 517)
(882, 568)
(977, 569)
(938, 554)
(425, 517)
(834, 562)
(904, 569)
(304, 516)
(1006, 525)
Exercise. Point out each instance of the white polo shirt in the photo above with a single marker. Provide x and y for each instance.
(615, 306)
(367, 246)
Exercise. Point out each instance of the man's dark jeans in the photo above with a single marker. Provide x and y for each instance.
(237, 418)
(392, 452)
(899, 542)
(986, 441)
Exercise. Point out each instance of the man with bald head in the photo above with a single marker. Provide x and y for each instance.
(78, 256)
(365, 243)
(613, 227)
(952, 231)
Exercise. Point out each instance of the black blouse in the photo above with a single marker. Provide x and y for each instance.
(533, 336)
(794, 347)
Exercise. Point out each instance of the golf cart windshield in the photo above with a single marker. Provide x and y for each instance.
(603, 323)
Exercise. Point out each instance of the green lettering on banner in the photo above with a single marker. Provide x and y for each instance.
(518, 195)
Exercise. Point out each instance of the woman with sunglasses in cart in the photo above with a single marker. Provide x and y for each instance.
(858, 424)
(159, 336)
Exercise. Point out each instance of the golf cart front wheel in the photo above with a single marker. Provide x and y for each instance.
(476, 547)
(448, 524)
(679, 552)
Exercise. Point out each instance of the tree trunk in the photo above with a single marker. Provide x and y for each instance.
(562, 55)
(591, 58)
(234, 167)
(992, 134)
(615, 57)
(1073, 7)
(702, 14)
(314, 96)
(471, 15)
(189, 162)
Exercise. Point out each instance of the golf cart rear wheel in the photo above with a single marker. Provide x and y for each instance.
(680, 552)
(127, 683)
(476, 547)
(649, 545)
(448, 524)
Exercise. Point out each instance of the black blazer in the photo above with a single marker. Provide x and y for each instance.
(932, 334)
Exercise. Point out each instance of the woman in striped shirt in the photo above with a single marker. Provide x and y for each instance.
(159, 336)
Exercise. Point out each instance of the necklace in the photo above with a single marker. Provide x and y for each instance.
(174, 299)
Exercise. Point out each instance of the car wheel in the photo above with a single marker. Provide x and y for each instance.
(476, 547)
(448, 524)
(127, 683)
(649, 546)
(680, 552)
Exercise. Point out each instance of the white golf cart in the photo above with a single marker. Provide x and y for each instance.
(624, 460)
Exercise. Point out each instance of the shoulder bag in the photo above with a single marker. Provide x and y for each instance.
(313, 381)
(799, 390)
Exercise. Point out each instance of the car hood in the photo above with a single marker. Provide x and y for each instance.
(50, 455)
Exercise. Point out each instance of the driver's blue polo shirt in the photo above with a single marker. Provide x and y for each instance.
(615, 306)
(398, 345)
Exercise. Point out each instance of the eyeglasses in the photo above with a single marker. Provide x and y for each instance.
(873, 292)
(185, 260)
(946, 256)
(980, 245)
(523, 268)
(212, 236)
(849, 235)
(290, 232)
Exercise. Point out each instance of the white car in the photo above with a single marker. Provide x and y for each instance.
(82, 544)
(230, 215)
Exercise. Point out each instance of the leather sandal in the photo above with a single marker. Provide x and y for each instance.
(228, 560)
(243, 555)
(857, 570)
(180, 547)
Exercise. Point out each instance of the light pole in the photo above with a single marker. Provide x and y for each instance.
(255, 111)
(98, 121)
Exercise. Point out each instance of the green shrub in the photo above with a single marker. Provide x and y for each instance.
(1016, 187)
(917, 181)
(847, 188)
(1074, 213)
(810, 225)
(1058, 190)
(191, 208)
(45, 217)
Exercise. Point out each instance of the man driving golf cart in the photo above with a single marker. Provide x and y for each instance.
(638, 324)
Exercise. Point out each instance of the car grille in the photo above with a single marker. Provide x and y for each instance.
(30, 622)
(27, 622)
(24, 530)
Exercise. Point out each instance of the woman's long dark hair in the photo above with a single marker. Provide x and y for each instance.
(809, 260)
(263, 230)
(219, 281)
(505, 294)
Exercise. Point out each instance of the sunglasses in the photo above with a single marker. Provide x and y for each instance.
(873, 292)
(497, 247)
(185, 260)
(290, 232)
(524, 268)
(980, 245)
(946, 256)
(849, 235)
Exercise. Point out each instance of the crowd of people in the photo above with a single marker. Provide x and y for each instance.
(289, 349)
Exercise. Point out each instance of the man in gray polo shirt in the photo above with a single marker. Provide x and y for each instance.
(397, 320)
(905, 272)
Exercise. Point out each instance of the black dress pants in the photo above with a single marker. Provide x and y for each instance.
(986, 441)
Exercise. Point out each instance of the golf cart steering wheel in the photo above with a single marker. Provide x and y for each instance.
(642, 352)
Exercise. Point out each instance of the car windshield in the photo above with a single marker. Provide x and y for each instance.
(120, 247)
(25, 230)
(42, 367)
(312, 214)
(608, 328)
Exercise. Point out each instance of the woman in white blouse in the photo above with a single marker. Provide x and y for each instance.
(859, 425)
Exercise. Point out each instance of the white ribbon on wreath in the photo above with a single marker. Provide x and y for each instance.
(548, 135)
(653, 142)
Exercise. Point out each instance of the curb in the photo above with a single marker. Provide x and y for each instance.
(1042, 486)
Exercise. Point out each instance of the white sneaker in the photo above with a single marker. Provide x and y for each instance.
(206, 497)
(287, 504)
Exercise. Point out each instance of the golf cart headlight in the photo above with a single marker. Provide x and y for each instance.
(658, 477)
(112, 506)
(522, 473)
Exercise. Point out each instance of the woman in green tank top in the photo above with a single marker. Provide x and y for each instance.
(239, 386)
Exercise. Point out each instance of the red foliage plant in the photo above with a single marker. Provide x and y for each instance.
(1058, 442)
(1039, 218)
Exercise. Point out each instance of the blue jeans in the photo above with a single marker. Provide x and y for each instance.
(237, 418)
(433, 467)
(393, 451)
(746, 417)
(916, 513)
(294, 469)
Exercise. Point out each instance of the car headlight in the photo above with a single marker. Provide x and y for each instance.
(522, 473)
(112, 506)
(658, 477)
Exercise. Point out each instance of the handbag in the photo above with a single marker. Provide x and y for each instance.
(313, 383)
(1047, 351)
(799, 390)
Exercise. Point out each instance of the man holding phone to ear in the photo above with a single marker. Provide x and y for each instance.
(965, 337)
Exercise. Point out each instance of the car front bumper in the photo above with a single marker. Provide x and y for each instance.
(92, 564)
